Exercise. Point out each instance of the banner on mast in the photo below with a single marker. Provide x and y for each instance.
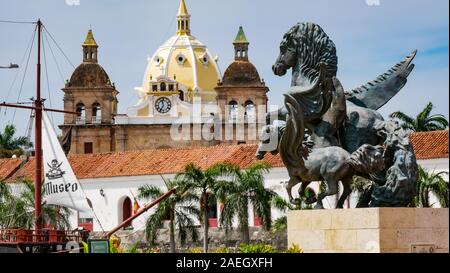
(61, 187)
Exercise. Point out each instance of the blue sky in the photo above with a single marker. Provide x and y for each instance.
(369, 40)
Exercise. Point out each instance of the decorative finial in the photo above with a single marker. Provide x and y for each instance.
(182, 10)
(89, 39)
(240, 37)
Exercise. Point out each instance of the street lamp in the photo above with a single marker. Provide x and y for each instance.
(11, 65)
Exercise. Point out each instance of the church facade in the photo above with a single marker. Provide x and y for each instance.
(184, 101)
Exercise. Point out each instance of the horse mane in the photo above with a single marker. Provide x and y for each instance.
(313, 47)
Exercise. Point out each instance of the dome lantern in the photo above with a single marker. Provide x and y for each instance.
(241, 46)
(90, 48)
(183, 19)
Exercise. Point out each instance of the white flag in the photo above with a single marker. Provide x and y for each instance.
(61, 186)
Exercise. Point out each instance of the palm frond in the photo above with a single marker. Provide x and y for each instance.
(425, 113)
(149, 192)
(402, 117)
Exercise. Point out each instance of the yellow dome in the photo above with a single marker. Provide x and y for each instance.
(186, 60)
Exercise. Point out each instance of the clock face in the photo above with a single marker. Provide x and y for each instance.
(163, 105)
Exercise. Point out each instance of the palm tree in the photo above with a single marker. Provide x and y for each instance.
(177, 208)
(433, 183)
(246, 188)
(423, 122)
(203, 183)
(18, 211)
(10, 145)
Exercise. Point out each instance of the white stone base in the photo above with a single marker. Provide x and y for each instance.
(377, 230)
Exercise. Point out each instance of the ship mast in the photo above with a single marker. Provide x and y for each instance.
(38, 137)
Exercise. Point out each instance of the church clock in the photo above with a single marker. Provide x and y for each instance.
(163, 105)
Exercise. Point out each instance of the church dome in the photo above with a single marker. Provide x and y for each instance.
(89, 75)
(241, 73)
(184, 59)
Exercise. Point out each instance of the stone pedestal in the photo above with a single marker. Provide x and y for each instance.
(377, 230)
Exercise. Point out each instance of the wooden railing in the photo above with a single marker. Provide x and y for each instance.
(42, 236)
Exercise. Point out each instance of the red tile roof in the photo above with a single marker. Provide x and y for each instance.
(427, 145)
(8, 167)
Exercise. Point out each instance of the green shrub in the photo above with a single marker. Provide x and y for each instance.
(194, 250)
(256, 248)
(153, 250)
(132, 249)
(280, 224)
(222, 250)
(294, 249)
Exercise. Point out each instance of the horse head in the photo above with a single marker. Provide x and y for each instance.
(304, 48)
(288, 55)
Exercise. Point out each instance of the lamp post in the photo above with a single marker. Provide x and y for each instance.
(11, 65)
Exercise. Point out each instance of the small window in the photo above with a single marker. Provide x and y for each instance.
(233, 109)
(81, 110)
(249, 109)
(88, 148)
(158, 59)
(162, 87)
(170, 87)
(96, 110)
(181, 59)
(181, 95)
(155, 87)
(204, 59)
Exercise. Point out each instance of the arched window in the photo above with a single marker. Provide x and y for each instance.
(233, 109)
(81, 113)
(181, 95)
(127, 210)
(96, 113)
(249, 110)
(162, 87)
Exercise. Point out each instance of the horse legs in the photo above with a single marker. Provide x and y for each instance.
(331, 190)
(291, 183)
(346, 182)
(301, 192)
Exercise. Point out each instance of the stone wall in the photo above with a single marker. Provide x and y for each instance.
(379, 230)
(217, 239)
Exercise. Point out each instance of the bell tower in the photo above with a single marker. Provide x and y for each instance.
(241, 95)
(90, 93)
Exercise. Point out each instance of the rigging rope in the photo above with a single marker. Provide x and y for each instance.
(29, 47)
(57, 45)
(54, 59)
(16, 22)
(24, 75)
(46, 76)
